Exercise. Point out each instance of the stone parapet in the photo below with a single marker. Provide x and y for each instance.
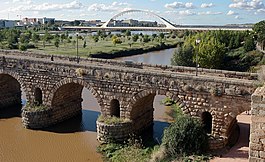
(178, 69)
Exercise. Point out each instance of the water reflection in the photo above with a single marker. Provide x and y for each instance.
(158, 130)
(10, 112)
(80, 123)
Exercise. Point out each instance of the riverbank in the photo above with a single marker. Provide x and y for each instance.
(86, 46)
(132, 52)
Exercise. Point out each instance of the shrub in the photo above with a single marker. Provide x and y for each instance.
(80, 72)
(186, 136)
(111, 120)
(34, 107)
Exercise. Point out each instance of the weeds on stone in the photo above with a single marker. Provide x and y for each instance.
(112, 120)
(34, 107)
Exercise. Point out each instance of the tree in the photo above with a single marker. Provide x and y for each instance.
(185, 136)
(146, 38)
(183, 56)
(259, 30)
(162, 35)
(249, 44)
(46, 38)
(135, 37)
(116, 40)
(127, 33)
(211, 54)
(95, 38)
(84, 45)
(56, 42)
(35, 37)
(23, 47)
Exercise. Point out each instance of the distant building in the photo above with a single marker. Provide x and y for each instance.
(132, 23)
(7, 23)
(93, 23)
(46, 20)
(148, 23)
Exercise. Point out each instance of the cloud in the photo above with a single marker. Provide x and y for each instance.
(247, 4)
(207, 5)
(22, 1)
(182, 13)
(230, 12)
(48, 7)
(237, 17)
(210, 13)
(115, 6)
(177, 5)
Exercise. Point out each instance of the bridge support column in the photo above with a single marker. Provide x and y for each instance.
(66, 103)
(257, 127)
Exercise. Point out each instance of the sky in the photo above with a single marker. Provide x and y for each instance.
(181, 12)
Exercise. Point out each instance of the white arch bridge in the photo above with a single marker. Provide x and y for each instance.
(168, 25)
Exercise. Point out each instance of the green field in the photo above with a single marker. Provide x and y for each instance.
(92, 47)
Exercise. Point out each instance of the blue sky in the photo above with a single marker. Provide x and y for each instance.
(205, 12)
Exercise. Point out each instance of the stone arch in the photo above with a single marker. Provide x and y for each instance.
(115, 108)
(145, 93)
(38, 96)
(141, 111)
(12, 95)
(15, 76)
(78, 82)
(207, 121)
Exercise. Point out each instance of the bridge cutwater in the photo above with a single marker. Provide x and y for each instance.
(125, 90)
(168, 25)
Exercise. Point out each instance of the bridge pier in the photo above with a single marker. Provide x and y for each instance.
(257, 127)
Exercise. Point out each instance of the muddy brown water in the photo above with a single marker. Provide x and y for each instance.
(73, 140)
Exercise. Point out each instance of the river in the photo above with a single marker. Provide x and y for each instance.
(73, 140)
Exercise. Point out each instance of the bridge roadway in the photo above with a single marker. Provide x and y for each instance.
(211, 74)
(125, 90)
(180, 28)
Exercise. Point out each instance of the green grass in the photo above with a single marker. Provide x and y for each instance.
(102, 46)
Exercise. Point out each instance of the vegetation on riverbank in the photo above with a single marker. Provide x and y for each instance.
(183, 140)
(227, 50)
(100, 44)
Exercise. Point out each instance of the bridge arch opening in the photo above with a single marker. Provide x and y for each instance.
(150, 113)
(12, 96)
(206, 119)
(76, 107)
(115, 108)
(38, 96)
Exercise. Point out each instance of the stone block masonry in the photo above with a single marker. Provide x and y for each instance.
(124, 90)
(257, 128)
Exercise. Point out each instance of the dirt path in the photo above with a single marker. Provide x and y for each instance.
(239, 153)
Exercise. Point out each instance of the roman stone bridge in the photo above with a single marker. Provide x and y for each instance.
(125, 90)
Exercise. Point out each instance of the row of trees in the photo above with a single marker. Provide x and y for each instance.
(24, 39)
(231, 50)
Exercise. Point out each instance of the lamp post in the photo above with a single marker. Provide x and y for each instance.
(77, 59)
(197, 42)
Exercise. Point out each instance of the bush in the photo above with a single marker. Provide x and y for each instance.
(112, 120)
(186, 136)
(35, 107)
